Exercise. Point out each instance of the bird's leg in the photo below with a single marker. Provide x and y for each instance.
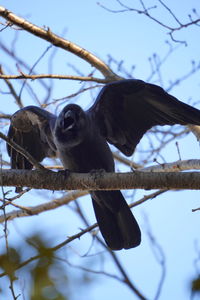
(97, 172)
(65, 173)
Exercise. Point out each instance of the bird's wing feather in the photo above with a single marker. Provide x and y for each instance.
(126, 109)
(31, 128)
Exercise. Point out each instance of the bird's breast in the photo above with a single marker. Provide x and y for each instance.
(92, 154)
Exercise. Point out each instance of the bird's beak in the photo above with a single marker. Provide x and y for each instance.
(69, 120)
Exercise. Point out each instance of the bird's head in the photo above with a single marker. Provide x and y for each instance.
(71, 126)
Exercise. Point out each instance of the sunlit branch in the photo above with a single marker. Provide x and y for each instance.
(126, 161)
(53, 76)
(60, 42)
(180, 165)
(35, 210)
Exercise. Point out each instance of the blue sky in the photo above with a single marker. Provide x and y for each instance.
(132, 38)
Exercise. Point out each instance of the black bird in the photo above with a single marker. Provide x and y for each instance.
(123, 111)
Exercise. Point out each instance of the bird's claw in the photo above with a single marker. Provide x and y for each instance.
(65, 173)
(97, 171)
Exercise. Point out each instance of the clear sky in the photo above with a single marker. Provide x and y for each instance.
(132, 38)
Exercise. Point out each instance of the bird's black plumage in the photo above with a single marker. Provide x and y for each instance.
(123, 111)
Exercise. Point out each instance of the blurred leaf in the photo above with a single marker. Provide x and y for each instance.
(196, 285)
(43, 286)
(47, 278)
(9, 261)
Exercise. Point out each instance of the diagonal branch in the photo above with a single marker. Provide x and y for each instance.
(55, 248)
(59, 42)
(19, 149)
(71, 196)
(35, 210)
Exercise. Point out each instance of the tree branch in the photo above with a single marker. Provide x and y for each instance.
(19, 149)
(70, 196)
(59, 42)
(146, 11)
(180, 165)
(55, 248)
(29, 211)
(53, 76)
(46, 179)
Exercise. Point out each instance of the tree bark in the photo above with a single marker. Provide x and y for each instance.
(46, 179)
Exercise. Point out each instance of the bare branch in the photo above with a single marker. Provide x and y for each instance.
(5, 116)
(147, 12)
(147, 197)
(11, 276)
(12, 54)
(125, 277)
(195, 209)
(55, 248)
(59, 42)
(180, 165)
(126, 161)
(11, 88)
(195, 130)
(21, 151)
(45, 179)
(71, 196)
(30, 211)
(159, 256)
(54, 76)
(33, 67)
(126, 280)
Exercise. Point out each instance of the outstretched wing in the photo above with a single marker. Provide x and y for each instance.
(124, 110)
(31, 128)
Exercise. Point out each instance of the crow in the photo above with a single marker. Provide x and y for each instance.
(123, 111)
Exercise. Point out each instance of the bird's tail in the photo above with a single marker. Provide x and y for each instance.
(115, 219)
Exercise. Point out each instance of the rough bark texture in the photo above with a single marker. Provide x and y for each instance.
(39, 179)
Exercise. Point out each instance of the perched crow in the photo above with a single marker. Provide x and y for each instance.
(123, 111)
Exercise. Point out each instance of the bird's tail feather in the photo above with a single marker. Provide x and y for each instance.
(115, 219)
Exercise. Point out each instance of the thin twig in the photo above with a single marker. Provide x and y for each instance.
(125, 278)
(159, 256)
(22, 151)
(55, 248)
(54, 76)
(32, 68)
(11, 88)
(11, 276)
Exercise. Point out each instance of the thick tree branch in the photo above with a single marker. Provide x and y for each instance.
(46, 179)
(195, 129)
(59, 42)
